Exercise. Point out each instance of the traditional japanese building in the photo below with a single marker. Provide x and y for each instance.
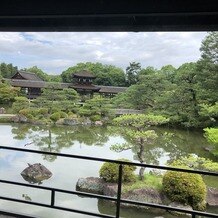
(30, 88)
(83, 83)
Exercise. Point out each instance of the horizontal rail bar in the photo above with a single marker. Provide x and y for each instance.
(57, 207)
(168, 208)
(148, 14)
(111, 161)
(60, 190)
(122, 201)
(11, 214)
(193, 213)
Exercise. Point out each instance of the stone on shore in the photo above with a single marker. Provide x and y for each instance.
(212, 197)
(180, 206)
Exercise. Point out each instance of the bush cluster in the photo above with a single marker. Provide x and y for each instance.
(110, 172)
(186, 188)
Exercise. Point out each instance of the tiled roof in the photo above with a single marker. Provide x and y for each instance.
(112, 89)
(27, 76)
(84, 73)
(85, 87)
(42, 84)
(37, 84)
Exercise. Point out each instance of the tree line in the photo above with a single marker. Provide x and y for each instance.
(187, 94)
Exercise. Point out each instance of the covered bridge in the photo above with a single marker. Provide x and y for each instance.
(82, 82)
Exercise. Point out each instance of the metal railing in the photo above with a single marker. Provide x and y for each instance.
(117, 199)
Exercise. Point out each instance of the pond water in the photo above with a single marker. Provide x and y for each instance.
(89, 141)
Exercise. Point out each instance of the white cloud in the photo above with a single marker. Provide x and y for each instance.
(55, 52)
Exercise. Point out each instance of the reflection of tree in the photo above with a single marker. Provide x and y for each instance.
(139, 141)
(53, 139)
(180, 143)
(174, 143)
(20, 131)
(138, 138)
(97, 136)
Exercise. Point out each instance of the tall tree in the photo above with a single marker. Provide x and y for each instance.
(107, 75)
(207, 67)
(38, 72)
(132, 72)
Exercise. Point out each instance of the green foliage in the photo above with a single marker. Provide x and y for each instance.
(207, 67)
(95, 118)
(55, 116)
(98, 105)
(44, 76)
(110, 172)
(140, 120)
(63, 114)
(108, 75)
(186, 188)
(132, 72)
(7, 70)
(20, 104)
(209, 47)
(43, 111)
(151, 181)
(194, 162)
(144, 94)
(212, 135)
(54, 99)
(7, 93)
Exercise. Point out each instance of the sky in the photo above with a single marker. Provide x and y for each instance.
(54, 52)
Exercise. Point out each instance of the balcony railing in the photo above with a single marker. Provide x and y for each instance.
(117, 199)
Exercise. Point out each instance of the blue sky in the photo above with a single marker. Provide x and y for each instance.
(55, 52)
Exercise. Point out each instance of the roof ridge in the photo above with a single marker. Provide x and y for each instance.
(26, 72)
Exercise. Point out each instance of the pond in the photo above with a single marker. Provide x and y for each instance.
(88, 141)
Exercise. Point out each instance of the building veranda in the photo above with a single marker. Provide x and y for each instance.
(83, 82)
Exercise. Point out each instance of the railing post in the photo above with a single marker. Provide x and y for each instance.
(119, 189)
(193, 215)
(52, 197)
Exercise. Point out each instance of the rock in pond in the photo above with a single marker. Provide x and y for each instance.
(36, 173)
(99, 186)
(91, 185)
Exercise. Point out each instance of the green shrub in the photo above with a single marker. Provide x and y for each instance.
(20, 103)
(29, 111)
(63, 114)
(95, 118)
(29, 116)
(24, 111)
(110, 172)
(186, 188)
(55, 116)
(43, 111)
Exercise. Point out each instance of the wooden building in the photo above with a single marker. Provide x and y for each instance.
(83, 83)
(31, 89)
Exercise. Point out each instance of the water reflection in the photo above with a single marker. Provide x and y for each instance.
(54, 139)
(90, 141)
(170, 144)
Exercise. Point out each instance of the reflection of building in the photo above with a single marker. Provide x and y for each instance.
(31, 91)
(82, 82)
